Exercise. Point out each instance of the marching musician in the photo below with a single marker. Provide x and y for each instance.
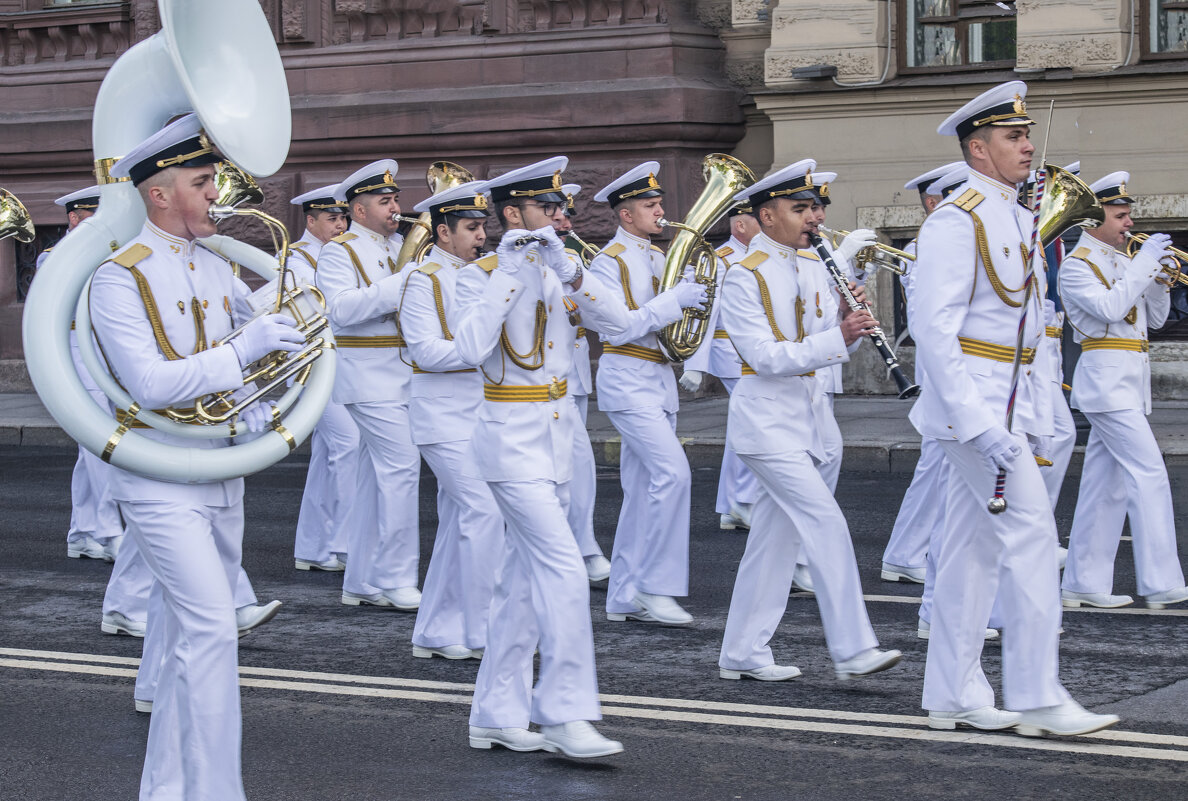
(637, 390)
(905, 557)
(515, 329)
(777, 413)
(1111, 302)
(330, 484)
(737, 487)
(583, 488)
(968, 292)
(357, 273)
(444, 401)
(157, 306)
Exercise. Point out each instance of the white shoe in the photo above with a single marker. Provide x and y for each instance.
(512, 739)
(579, 739)
(116, 623)
(911, 575)
(252, 615)
(986, 718)
(742, 513)
(729, 522)
(872, 660)
(765, 673)
(112, 547)
(598, 568)
(1061, 556)
(143, 706)
(1161, 599)
(654, 609)
(1068, 718)
(406, 599)
(87, 547)
(924, 631)
(445, 651)
(802, 580)
(331, 565)
(1102, 600)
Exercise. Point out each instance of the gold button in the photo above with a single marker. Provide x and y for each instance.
(191, 265)
(550, 344)
(556, 416)
(550, 307)
(206, 304)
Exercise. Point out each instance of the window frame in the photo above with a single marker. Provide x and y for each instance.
(965, 17)
(1145, 20)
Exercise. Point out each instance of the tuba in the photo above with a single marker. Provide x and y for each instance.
(14, 218)
(184, 67)
(725, 176)
(440, 176)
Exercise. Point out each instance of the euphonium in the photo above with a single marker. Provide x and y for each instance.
(1173, 264)
(878, 254)
(1068, 201)
(217, 58)
(14, 218)
(440, 176)
(725, 176)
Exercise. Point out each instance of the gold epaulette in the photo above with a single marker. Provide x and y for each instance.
(808, 254)
(344, 237)
(133, 255)
(573, 252)
(753, 261)
(725, 251)
(969, 199)
(1080, 253)
(613, 250)
(429, 269)
(657, 249)
(488, 263)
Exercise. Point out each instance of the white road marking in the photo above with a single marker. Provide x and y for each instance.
(1126, 610)
(677, 710)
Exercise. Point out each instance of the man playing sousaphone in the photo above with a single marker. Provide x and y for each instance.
(157, 308)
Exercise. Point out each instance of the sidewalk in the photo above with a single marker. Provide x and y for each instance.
(876, 430)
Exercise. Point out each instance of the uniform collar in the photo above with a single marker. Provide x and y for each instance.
(367, 233)
(632, 239)
(771, 247)
(309, 239)
(992, 188)
(172, 244)
(1096, 246)
(445, 258)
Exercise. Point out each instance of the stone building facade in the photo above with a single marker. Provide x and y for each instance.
(860, 85)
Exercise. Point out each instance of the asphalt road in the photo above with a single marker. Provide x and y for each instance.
(335, 707)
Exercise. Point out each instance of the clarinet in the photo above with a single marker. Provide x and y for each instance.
(906, 388)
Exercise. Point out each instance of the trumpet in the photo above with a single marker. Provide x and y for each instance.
(878, 254)
(586, 252)
(1173, 264)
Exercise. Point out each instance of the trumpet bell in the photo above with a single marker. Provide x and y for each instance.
(1068, 201)
(14, 219)
(235, 186)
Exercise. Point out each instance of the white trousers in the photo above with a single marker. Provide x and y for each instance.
(922, 509)
(1062, 445)
(466, 554)
(651, 552)
(542, 599)
(93, 513)
(1124, 475)
(978, 556)
(330, 486)
(384, 556)
(194, 736)
(795, 512)
(584, 486)
(736, 483)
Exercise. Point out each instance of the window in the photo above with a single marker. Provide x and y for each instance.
(957, 34)
(1165, 29)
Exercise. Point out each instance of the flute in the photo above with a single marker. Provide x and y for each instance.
(906, 388)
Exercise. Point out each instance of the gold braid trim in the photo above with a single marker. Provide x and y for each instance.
(358, 264)
(199, 325)
(154, 315)
(1132, 315)
(1003, 291)
(537, 351)
(312, 262)
(440, 301)
(765, 297)
(625, 280)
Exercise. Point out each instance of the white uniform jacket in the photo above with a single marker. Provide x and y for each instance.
(962, 318)
(362, 312)
(825, 303)
(717, 355)
(446, 391)
(197, 300)
(633, 266)
(1111, 301)
(767, 309)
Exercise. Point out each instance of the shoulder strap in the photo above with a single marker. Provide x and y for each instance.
(429, 269)
(725, 251)
(808, 254)
(132, 255)
(344, 237)
(657, 248)
(1080, 253)
(488, 263)
(753, 261)
(969, 199)
(614, 250)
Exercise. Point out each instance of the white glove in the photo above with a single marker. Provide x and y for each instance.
(690, 380)
(555, 257)
(856, 241)
(1157, 247)
(257, 417)
(511, 257)
(998, 448)
(264, 335)
(1041, 446)
(688, 294)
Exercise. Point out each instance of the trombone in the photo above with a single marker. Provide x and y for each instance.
(1173, 264)
(878, 254)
